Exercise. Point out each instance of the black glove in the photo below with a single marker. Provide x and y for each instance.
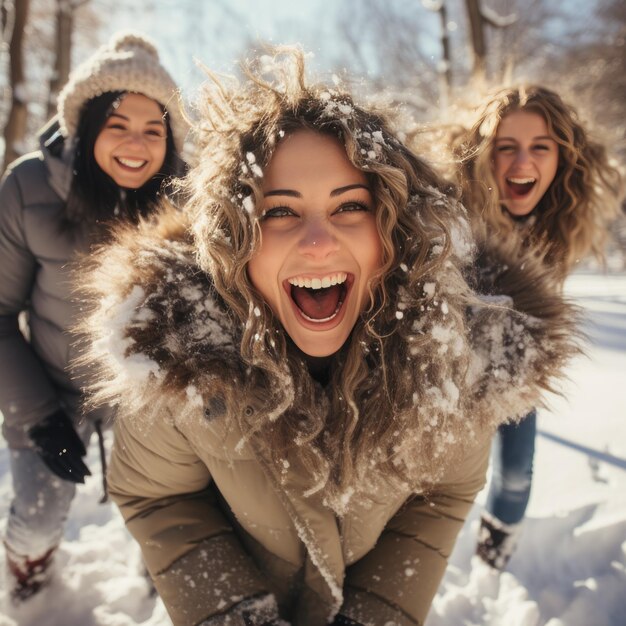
(60, 447)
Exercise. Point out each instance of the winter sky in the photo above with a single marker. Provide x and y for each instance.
(216, 32)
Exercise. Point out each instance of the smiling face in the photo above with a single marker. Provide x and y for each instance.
(132, 143)
(525, 160)
(320, 246)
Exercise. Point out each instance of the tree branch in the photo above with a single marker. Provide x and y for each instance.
(495, 20)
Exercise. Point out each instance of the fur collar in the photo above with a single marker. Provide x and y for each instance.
(161, 337)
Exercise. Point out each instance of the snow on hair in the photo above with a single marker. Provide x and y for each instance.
(424, 234)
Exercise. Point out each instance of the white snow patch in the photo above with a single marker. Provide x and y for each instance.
(248, 204)
(429, 289)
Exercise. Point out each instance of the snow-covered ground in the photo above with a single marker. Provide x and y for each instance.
(570, 567)
(569, 570)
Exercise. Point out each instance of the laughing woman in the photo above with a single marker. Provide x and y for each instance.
(106, 157)
(307, 386)
(531, 173)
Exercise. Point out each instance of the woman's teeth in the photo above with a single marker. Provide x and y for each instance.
(318, 283)
(319, 298)
(324, 319)
(134, 163)
(521, 181)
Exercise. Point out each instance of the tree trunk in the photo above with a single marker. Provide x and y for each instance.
(445, 71)
(4, 50)
(62, 52)
(15, 128)
(477, 32)
(4, 16)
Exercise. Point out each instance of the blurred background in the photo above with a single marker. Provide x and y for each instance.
(433, 58)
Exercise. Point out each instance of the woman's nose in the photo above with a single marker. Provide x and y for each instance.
(317, 239)
(134, 139)
(522, 157)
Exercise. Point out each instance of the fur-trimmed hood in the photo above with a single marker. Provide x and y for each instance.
(168, 350)
(161, 336)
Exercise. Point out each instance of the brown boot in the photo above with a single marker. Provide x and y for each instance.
(27, 575)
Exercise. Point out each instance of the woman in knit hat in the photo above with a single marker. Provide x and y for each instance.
(106, 157)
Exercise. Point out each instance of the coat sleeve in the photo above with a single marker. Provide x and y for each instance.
(26, 392)
(163, 490)
(397, 580)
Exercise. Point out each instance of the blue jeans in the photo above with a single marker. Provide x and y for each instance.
(512, 458)
(40, 505)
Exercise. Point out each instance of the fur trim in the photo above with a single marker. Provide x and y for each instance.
(520, 353)
(162, 337)
(157, 331)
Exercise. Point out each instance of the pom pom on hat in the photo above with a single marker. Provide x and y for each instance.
(128, 62)
(124, 40)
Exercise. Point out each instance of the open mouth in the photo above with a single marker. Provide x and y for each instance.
(319, 299)
(131, 164)
(519, 186)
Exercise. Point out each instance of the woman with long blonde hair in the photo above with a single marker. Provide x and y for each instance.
(568, 209)
(306, 384)
(530, 172)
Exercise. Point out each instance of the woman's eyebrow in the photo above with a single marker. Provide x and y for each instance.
(538, 138)
(159, 122)
(340, 190)
(283, 192)
(296, 194)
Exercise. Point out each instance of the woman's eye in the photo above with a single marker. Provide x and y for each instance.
(116, 126)
(542, 147)
(279, 211)
(505, 149)
(349, 207)
(155, 133)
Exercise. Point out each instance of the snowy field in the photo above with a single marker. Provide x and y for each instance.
(569, 570)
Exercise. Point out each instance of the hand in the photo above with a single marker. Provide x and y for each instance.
(60, 447)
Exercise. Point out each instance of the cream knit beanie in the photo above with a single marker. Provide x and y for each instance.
(129, 62)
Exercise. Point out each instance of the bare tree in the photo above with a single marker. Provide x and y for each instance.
(393, 48)
(15, 127)
(396, 38)
(40, 46)
(481, 43)
(479, 18)
(4, 17)
(445, 65)
(5, 35)
(64, 28)
(589, 66)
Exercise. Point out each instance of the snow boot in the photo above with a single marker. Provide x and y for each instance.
(496, 541)
(27, 576)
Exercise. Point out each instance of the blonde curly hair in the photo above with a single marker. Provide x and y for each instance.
(571, 220)
(423, 230)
